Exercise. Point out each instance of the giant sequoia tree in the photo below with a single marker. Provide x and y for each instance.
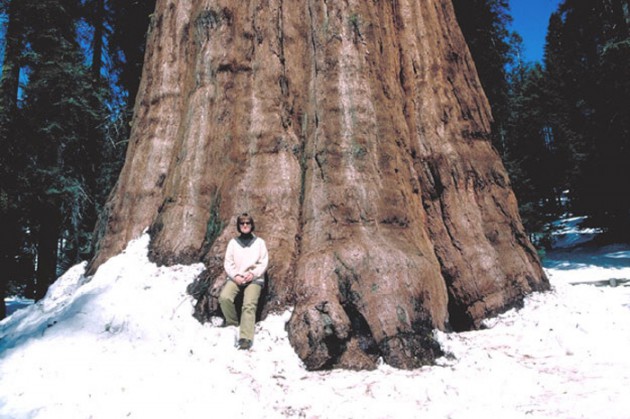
(358, 135)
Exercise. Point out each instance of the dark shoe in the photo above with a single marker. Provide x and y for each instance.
(244, 344)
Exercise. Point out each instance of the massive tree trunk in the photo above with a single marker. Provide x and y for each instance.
(356, 133)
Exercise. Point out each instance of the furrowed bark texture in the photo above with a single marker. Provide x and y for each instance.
(356, 133)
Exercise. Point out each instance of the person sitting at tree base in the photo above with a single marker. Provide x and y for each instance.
(245, 263)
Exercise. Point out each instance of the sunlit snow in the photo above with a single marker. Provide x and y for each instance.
(124, 345)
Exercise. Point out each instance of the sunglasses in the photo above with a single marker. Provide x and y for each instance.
(245, 223)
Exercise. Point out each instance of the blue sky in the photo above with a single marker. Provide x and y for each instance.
(530, 21)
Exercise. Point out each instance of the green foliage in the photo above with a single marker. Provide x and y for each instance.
(564, 126)
(61, 109)
(494, 49)
(530, 155)
(64, 141)
(354, 21)
(587, 60)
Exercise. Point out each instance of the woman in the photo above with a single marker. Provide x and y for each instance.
(245, 263)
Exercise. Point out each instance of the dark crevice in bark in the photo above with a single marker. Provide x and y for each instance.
(233, 68)
(463, 109)
(320, 165)
(360, 329)
(313, 32)
(302, 160)
(398, 23)
(352, 303)
(280, 29)
(334, 341)
(419, 348)
(458, 317)
(401, 72)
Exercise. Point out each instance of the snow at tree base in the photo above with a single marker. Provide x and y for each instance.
(124, 344)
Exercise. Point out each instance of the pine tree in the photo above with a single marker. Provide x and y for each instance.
(494, 48)
(556, 108)
(62, 106)
(64, 149)
(530, 151)
(116, 33)
(587, 66)
(612, 119)
(9, 161)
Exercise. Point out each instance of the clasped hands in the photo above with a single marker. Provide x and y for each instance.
(244, 279)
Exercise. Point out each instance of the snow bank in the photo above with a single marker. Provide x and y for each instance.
(125, 344)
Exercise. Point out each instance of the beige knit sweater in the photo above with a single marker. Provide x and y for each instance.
(253, 258)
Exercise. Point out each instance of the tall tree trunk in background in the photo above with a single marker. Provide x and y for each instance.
(8, 105)
(10, 65)
(3, 294)
(357, 135)
(94, 138)
(98, 21)
(47, 247)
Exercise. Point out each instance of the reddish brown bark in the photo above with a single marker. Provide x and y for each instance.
(357, 135)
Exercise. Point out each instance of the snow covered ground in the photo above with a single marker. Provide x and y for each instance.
(124, 345)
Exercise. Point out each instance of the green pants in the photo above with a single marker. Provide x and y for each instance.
(248, 312)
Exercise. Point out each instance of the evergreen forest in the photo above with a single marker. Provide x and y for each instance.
(71, 70)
